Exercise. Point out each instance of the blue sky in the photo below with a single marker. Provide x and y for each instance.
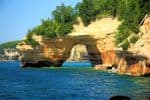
(17, 16)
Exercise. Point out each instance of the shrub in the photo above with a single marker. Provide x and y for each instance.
(125, 45)
(31, 42)
(134, 39)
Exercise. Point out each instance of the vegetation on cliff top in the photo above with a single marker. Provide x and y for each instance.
(130, 12)
(61, 23)
(7, 45)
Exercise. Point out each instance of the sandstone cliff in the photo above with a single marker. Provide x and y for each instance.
(102, 29)
(135, 61)
(142, 46)
(98, 37)
(100, 44)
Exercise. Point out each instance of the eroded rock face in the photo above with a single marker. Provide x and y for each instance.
(97, 37)
(132, 64)
(100, 45)
(124, 62)
(109, 57)
(55, 52)
(135, 61)
(142, 46)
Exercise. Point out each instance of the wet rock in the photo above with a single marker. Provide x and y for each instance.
(125, 62)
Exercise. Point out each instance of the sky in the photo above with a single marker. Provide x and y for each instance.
(18, 16)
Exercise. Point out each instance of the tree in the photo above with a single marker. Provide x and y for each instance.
(63, 14)
(49, 28)
(8, 45)
(64, 17)
(112, 6)
(60, 25)
(86, 11)
(130, 12)
(29, 40)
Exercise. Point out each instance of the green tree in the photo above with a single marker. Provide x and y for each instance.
(125, 45)
(64, 17)
(131, 13)
(86, 11)
(134, 39)
(29, 40)
(11, 44)
(63, 14)
(112, 7)
(48, 28)
(91, 9)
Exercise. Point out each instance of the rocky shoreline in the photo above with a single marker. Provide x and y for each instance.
(124, 62)
(100, 45)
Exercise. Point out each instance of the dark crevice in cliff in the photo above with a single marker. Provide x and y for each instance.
(131, 58)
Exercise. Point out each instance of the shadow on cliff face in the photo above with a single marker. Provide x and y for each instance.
(95, 55)
(130, 58)
(136, 65)
(125, 62)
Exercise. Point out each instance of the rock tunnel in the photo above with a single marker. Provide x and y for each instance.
(61, 49)
(91, 47)
(99, 40)
(98, 37)
(55, 52)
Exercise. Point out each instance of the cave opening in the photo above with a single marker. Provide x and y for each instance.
(79, 57)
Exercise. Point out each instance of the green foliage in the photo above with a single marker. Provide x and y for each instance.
(29, 39)
(31, 42)
(60, 25)
(47, 29)
(105, 7)
(64, 29)
(120, 36)
(91, 9)
(133, 39)
(125, 45)
(30, 34)
(130, 12)
(123, 33)
(130, 15)
(7, 45)
(86, 11)
(64, 16)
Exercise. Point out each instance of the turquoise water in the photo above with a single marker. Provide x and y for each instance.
(77, 64)
(67, 83)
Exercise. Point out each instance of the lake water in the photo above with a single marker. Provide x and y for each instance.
(77, 64)
(67, 83)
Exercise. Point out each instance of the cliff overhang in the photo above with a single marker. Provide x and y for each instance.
(100, 43)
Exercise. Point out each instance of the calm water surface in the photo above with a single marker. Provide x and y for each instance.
(67, 83)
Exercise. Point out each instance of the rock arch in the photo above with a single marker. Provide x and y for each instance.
(98, 38)
(78, 53)
(92, 50)
(55, 52)
(61, 49)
